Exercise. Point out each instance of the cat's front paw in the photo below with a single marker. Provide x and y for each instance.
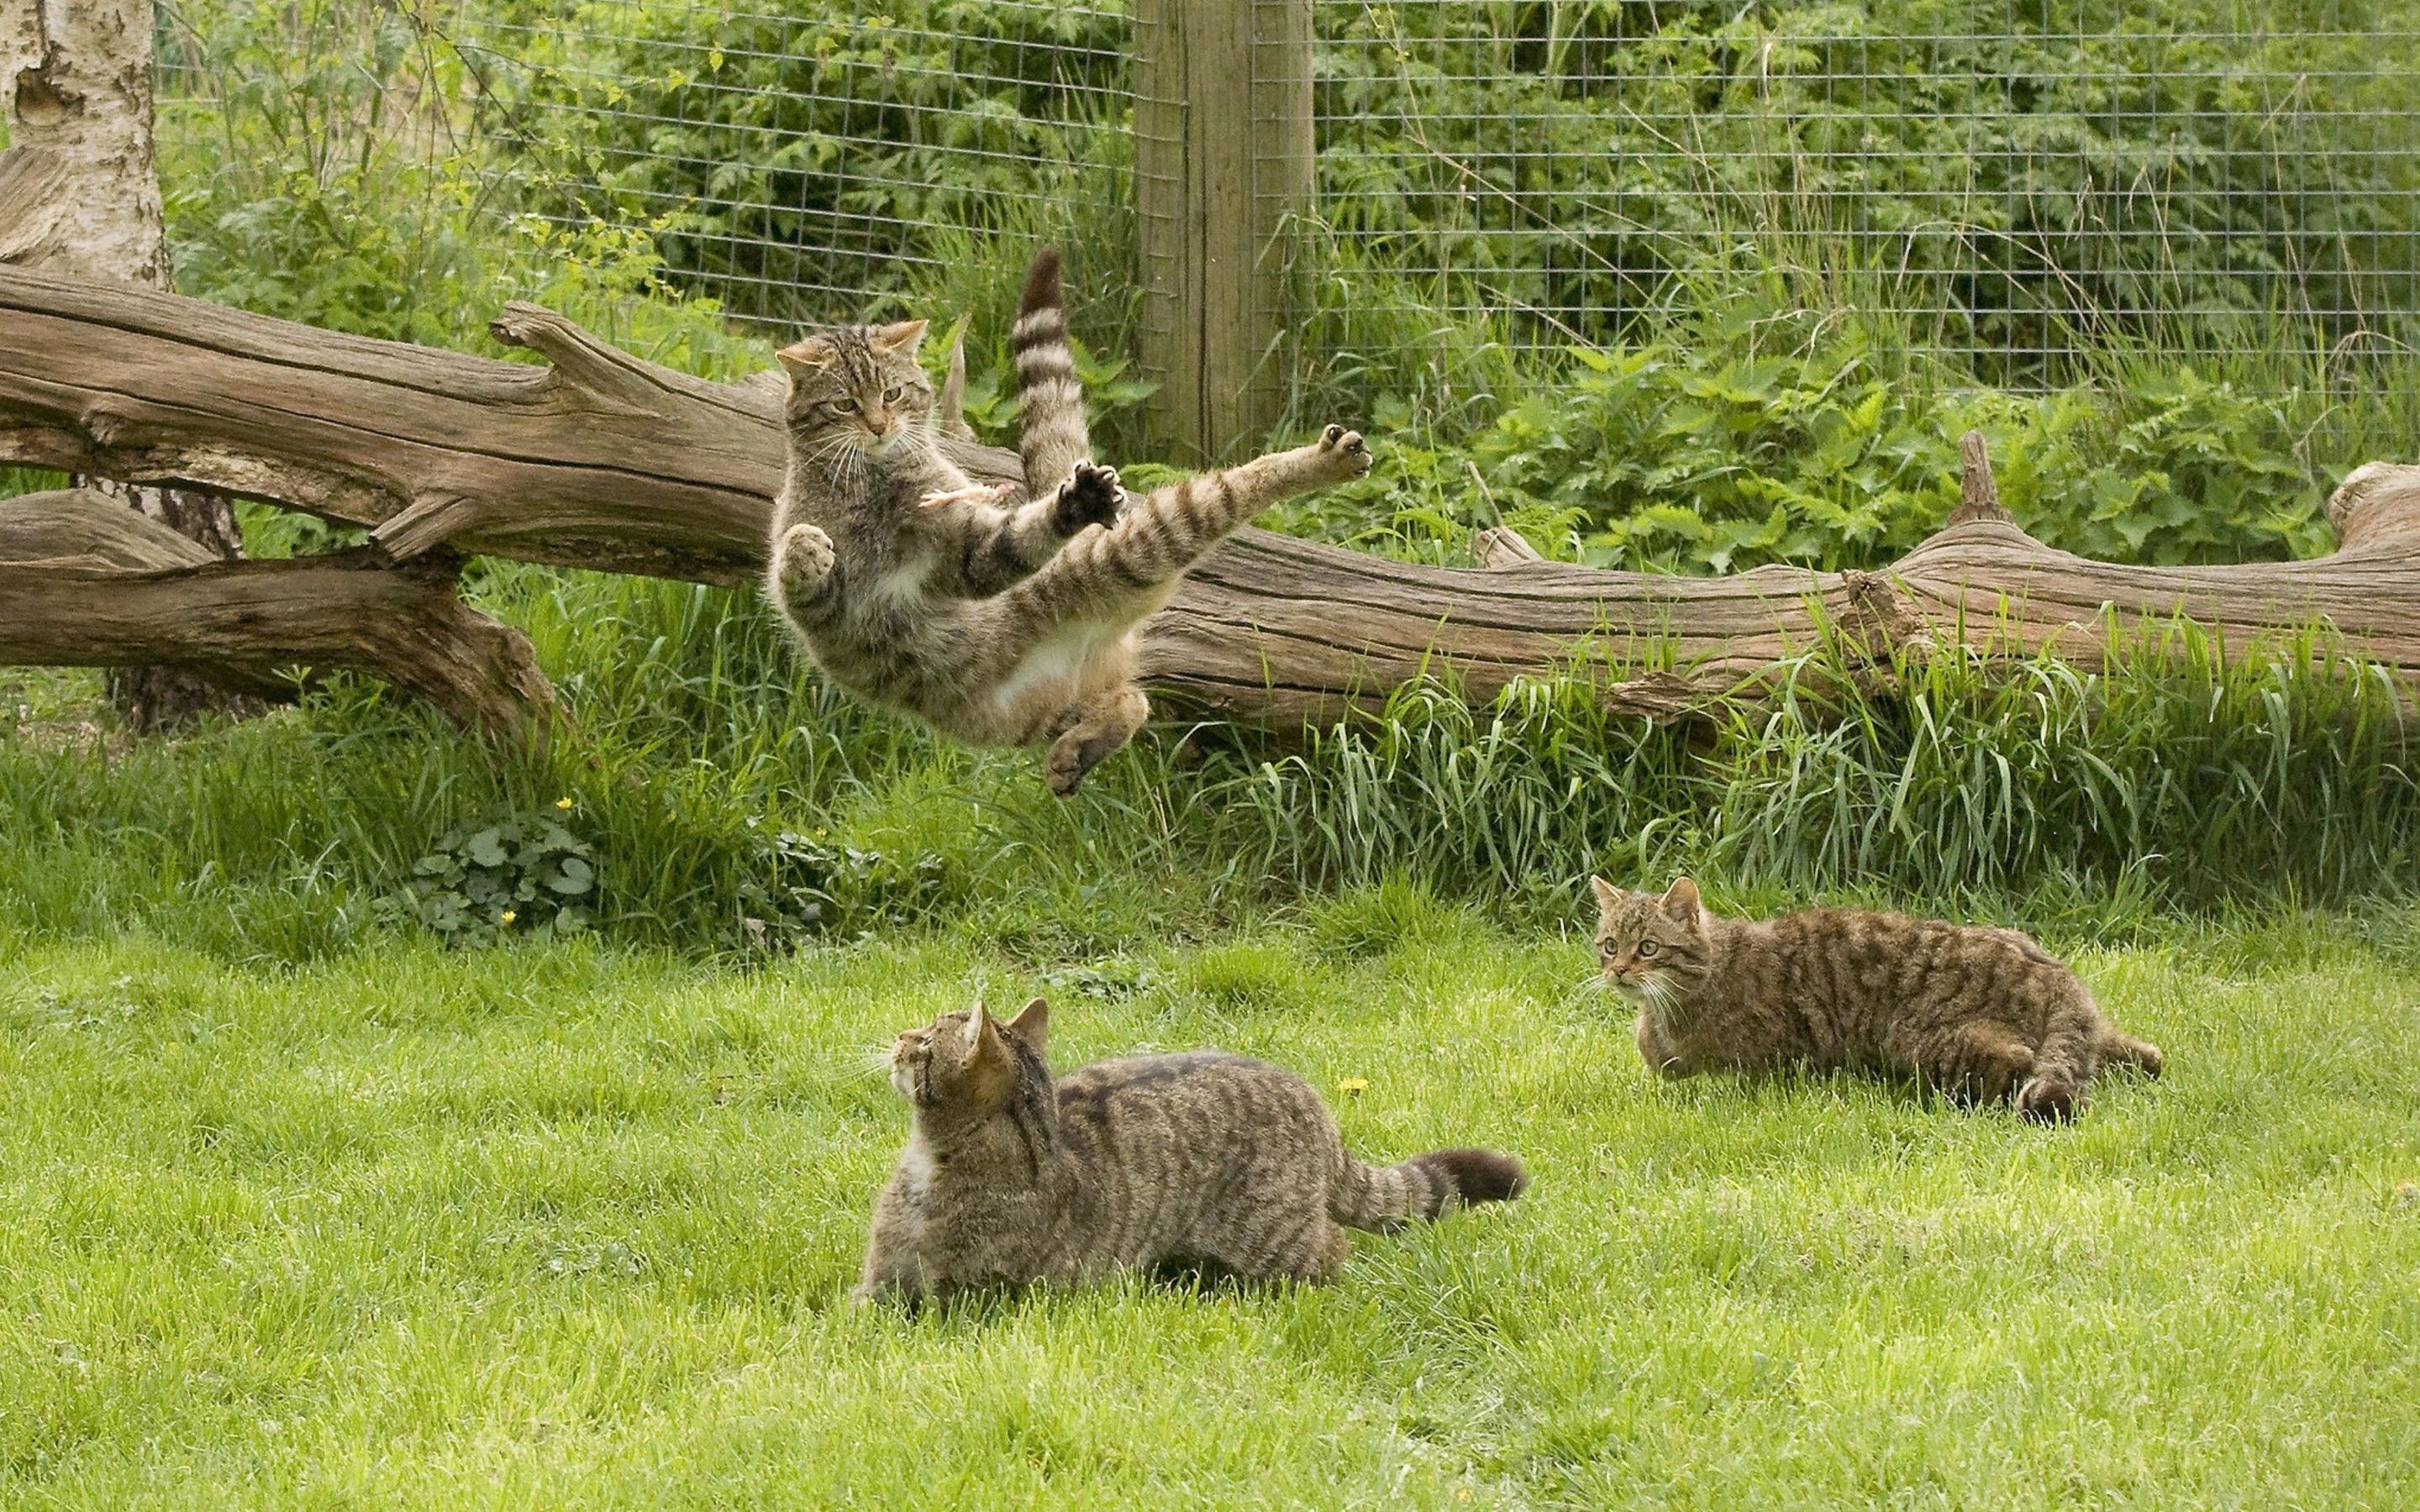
(1091, 496)
(1340, 455)
(805, 560)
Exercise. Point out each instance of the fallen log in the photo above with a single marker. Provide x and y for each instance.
(84, 581)
(605, 461)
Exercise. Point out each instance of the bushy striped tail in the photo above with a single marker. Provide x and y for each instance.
(1050, 401)
(1384, 1197)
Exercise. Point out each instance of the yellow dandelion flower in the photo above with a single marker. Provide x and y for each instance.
(1353, 1086)
(562, 803)
(507, 916)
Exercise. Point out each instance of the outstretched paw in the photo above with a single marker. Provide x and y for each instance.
(805, 560)
(1342, 454)
(1074, 754)
(1091, 496)
(1064, 769)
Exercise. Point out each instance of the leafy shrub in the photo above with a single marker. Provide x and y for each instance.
(518, 874)
(807, 887)
(2028, 172)
(1750, 435)
(803, 164)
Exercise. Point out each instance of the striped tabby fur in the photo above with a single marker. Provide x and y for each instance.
(1202, 1159)
(1982, 1015)
(997, 624)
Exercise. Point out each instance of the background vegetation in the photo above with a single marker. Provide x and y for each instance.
(369, 167)
(395, 1120)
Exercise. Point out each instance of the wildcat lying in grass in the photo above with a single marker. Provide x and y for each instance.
(1201, 1159)
(1983, 1014)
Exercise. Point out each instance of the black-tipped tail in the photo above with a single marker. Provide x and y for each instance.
(1379, 1198)
(1041, 282)
(1474, 1175)
(1050, 399)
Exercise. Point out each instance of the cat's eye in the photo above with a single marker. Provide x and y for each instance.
(1646, 948)
(894, 393)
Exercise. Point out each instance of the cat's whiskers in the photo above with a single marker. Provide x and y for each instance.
(1593, 982)
(876, 1061)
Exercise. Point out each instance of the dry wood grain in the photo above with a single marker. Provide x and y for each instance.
(87, 582)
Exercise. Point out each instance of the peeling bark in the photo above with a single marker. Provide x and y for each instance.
(79, 195)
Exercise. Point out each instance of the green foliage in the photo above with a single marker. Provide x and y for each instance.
(1751, 435)
(2172, 776)
(371, 167)
(516, 875)
(2033, 174)
(809, 888)
(803, 165)
(316, 165)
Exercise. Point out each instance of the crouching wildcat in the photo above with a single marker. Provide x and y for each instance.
(1982, 1015)
(1203, 1159)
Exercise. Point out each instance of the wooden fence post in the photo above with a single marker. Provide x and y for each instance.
(1222, 126)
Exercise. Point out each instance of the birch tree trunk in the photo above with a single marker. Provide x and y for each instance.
(80, 196)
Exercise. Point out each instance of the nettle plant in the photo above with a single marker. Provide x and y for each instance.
(807, 887)
(521, 874)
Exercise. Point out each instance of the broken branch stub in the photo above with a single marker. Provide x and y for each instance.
(87, 582)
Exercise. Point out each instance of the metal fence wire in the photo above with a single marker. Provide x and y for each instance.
(2013, 180)
(2014, 183)
(795, 166)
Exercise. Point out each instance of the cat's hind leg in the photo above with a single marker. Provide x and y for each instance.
(1322, 1257)
(1312, 1254)
(1130, 565)
(2066, 1060)
(1092, 729)
(1978, 1062)
(2118, 1048)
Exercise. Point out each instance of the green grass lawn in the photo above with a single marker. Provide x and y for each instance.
(551, 1224)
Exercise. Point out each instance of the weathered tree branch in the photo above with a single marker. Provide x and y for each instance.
(86, 581)
(609, 462)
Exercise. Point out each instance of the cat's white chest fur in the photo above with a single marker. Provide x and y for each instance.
(915, 1167)
(1053, 661)
(904, 583)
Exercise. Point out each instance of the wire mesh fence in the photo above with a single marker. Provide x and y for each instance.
(794, 164)
(2014, 183)
(2014, 180)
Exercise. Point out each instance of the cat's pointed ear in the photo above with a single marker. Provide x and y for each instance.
(950, 411)
(1606, 893)
(980, 1031)
(800, 358)
(1032, 1024)
(902, 337)
(1680, 901)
